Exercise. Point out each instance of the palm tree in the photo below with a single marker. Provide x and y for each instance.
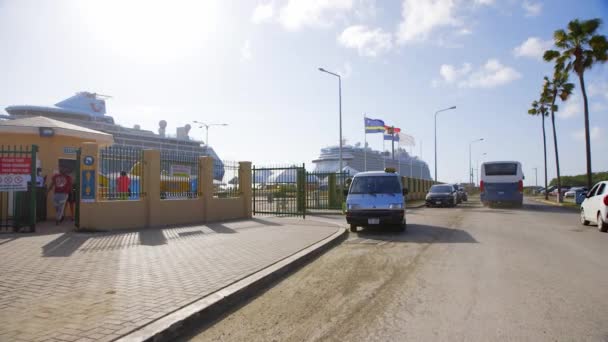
(540, 108)
(580, 48)
(559, 86)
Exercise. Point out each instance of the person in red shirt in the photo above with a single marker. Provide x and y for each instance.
(123, 185)
(62, 184)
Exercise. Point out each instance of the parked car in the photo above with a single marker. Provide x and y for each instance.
(564, 189)
(549, 189)
(595, 206)
(574, 191)
(442, 195)
(463, 194)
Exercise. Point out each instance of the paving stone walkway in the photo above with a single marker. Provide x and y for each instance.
(101, 286)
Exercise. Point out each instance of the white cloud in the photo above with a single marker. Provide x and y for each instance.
(297, 14)
(262, 13)
(595, 133)
(533, 47)
(532, 9)
(246, 51)
(484, 2)
(598, 89)
(464, 31)
(489, 75)
(368, 42)
(569, 109)
(451, 74)
(420, 18)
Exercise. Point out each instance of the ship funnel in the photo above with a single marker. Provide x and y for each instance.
(91, 103)
(162, 126)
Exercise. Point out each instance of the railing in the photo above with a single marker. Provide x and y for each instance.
(226, 179)
(122, 173)
(178, 175)
(279, 190)
(18, 196)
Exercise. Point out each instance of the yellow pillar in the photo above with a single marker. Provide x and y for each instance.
(206, 184)
(245, 187)
(152, 187)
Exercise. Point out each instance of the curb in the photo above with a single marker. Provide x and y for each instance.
(212, 306)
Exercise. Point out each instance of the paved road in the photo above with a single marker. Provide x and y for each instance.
(464, 274)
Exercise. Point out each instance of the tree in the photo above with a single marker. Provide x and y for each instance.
(540, 108)
(579, 49)
(558, 86)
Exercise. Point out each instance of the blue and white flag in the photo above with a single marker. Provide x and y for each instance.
(391, 137)
(374, 125)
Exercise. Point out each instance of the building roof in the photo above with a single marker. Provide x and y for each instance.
(31, 125)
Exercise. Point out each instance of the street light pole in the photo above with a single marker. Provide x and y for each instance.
(536, 175)
(437, 112)
(202, 124)
(339, 110)
(470, 165)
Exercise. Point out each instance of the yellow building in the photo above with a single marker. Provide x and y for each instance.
(57, 143)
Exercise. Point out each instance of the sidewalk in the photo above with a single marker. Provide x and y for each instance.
(102, 286)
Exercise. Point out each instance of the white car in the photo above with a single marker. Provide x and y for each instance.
(595, 206)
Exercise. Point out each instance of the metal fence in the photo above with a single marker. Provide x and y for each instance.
(226, 179)
(325, 190)
(122, 173)
(18, 193)
(279, 190)
(178, 175)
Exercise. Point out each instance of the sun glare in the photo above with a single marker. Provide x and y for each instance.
(150, 31)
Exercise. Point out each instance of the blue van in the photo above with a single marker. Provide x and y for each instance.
(376, 198)
(502, 182)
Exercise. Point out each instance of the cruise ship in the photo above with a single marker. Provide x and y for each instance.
(357, 159)
(88, 110)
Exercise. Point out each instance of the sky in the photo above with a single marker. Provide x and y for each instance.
(254, 65)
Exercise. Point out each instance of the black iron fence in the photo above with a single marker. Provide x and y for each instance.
(178, 175)
(122, 173)
(325, 190)
(279, 190)
(226, 179)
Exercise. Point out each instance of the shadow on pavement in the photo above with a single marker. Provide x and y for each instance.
(64, 245)
(265, 222)
(152, 237)
(221, 228)
(417, 233)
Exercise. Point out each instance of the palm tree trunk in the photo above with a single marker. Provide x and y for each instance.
(587, 135)
(559, 181)
(545, 154)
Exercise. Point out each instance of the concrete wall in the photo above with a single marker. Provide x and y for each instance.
(418, 188)
(50, 150)
(152, 211)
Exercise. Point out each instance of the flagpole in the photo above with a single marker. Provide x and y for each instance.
(364, 145)
(393, 141)
(383, 158)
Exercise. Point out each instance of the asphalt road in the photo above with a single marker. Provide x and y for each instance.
(459, 274)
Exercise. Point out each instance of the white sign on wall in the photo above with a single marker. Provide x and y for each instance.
(10, 182)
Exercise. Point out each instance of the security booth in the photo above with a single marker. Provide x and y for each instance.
(32, 150)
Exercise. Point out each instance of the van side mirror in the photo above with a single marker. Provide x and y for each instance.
(405, 191)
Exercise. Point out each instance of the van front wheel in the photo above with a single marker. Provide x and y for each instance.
(353, 228)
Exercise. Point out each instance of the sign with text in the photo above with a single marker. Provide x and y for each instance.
(70, 150)
(13, 182)
(15, 166)
(180, 170)
(87, 191)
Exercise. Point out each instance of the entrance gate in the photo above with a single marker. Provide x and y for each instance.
(18, 188)
(292, 191)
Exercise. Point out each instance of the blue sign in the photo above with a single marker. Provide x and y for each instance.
(89, 160)
(87, 190)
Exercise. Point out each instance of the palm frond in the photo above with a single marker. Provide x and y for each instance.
(588, 27)
(550, 55)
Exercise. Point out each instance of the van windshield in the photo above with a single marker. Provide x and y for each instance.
(375, 185)
(501, 169)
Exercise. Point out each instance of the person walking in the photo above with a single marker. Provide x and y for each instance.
(123, 185)
(72, 201)
(61, 183)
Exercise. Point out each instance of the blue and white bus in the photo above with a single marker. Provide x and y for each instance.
(502, 182)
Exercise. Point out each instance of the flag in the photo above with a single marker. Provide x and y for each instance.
(391, 130)
(391, 137)
(406, 140)
(374, 125)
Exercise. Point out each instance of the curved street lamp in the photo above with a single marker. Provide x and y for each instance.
(339, 109)
(437, 112)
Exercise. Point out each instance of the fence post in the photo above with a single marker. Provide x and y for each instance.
(32, 189)
(206, 184)
(152, 187)
(331, 187)
(245, 186)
